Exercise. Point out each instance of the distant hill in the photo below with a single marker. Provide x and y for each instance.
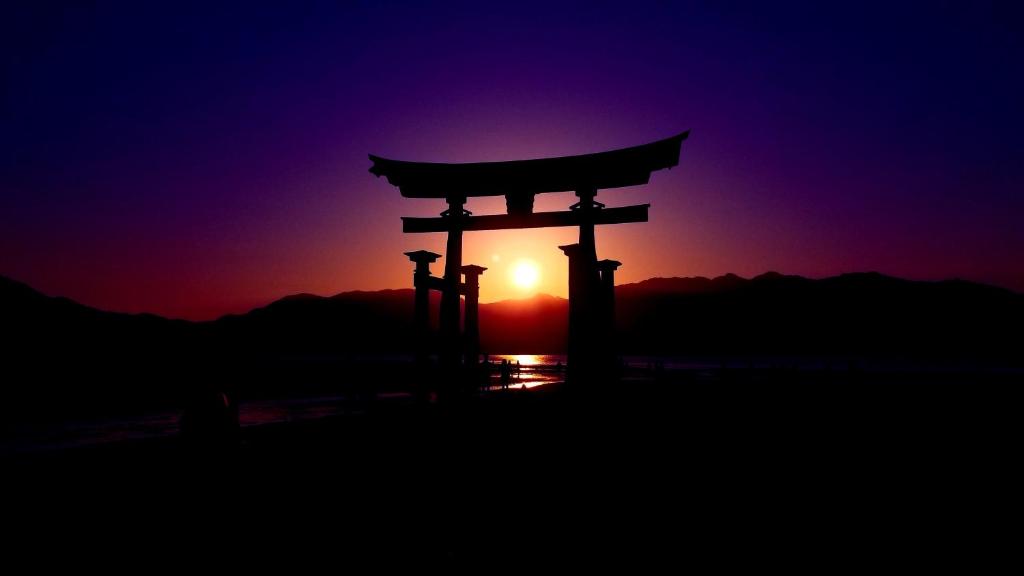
(58, 354)
(348, 323)
(863, 314)
(527, 326)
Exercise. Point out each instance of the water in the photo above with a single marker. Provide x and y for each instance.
(534, 370)
(162, 424)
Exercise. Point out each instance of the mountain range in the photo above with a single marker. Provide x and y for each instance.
(861, 313)
(49, 340)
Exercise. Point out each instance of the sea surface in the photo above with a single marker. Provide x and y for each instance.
(525, 371)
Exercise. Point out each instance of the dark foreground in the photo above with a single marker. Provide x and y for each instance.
(771, 473)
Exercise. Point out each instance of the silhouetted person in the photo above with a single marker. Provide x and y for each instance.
(506, 369)
(519, 368)
(485, 376)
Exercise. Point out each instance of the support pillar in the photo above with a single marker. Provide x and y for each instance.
(471, 335)
(607, 307)
(421, 280)
(577, 350)
(421, 312)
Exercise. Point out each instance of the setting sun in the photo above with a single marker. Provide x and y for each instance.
(525, 274)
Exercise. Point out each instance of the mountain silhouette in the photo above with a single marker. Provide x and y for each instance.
(64, 354)
(860, 313)
(524, 326)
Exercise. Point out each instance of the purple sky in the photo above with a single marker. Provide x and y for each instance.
(193, 161)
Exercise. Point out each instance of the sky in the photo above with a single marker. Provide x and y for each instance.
(193, 160)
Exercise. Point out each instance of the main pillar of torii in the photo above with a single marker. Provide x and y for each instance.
(519, 181)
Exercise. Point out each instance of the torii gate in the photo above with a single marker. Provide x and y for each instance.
(591, 283)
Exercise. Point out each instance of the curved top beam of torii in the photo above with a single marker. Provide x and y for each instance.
(611, 169)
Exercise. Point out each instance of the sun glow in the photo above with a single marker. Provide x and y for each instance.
(525, 274)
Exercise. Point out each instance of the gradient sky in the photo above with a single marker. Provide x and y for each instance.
(191, 160)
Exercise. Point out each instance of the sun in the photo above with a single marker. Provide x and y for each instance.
(525, 274)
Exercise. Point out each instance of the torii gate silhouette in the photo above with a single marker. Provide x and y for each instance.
(591, 282)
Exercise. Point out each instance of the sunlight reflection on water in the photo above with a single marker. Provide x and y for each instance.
(528, 370)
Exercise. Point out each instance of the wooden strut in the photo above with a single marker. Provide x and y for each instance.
(620, 215)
